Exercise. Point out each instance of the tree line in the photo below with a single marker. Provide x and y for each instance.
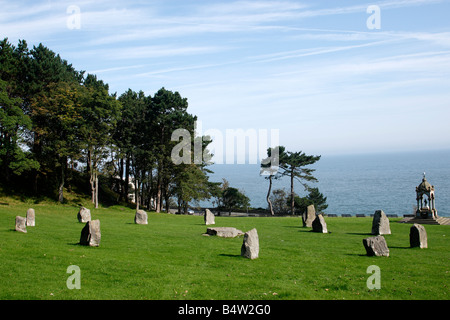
(61, 129)
(57, 122)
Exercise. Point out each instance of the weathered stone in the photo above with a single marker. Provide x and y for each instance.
(380, 223)
(91, 235)
(84, 215)
(21, 224)
(418, 236)
(31, 218)
(376, 246)
(224, 232)
(141, 217)
(250, 245)
(209, 217)
(319, 224)
(308, 216)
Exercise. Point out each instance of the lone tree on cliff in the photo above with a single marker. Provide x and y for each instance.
(293, 165)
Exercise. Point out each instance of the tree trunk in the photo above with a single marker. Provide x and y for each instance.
(88, 162)
(268, 196)
(96, 191)
(149, 193)
(61, 184)
(121, 186)
(179, 205)
(127, 174)
(92, 182)
(136, 194)
(69, 175)
(292, 193)
(158, 190)
(166, 199)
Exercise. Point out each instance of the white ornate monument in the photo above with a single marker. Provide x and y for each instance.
(426, 212)
(426, 204)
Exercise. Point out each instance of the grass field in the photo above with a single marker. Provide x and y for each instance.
(170, 259)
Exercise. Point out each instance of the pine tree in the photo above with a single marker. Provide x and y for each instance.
(293, 165)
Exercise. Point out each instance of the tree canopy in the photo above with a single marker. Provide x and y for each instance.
(59, 126)
(295, 166)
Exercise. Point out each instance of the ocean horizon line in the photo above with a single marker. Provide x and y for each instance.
(354, 184)
(343, 154)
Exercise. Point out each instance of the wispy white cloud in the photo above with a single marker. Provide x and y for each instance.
(278, 64)
(157, 51)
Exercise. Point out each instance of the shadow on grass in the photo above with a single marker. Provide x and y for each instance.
(358, 255)
(361, 233)
(230, 255)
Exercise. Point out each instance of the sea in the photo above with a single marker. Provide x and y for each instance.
(354, 184)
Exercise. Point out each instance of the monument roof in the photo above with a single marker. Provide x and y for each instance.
(424, 186)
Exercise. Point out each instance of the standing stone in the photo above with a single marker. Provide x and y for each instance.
(309, 216)
(209, 217)
(380, 223)
(319, 224)
(376, 246)
(418, 236)
(250, 245)
(30, 218)
(21, 224)
(140, 217)
(84, 215)
(91, 235)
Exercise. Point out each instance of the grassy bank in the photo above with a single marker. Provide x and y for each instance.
(170, 259)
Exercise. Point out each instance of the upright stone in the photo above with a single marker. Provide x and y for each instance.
(31, 218)
(380, 223)
(209, 217)
(418, 236)
(91, 235)
(84, 215)
(250, 245)
(319, 224)
(21, 224)
(376, 246)
(141, 217)
(309, 216)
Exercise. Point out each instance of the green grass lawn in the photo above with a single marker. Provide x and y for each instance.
(170, 259)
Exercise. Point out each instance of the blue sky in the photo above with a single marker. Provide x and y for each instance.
(311, 69)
